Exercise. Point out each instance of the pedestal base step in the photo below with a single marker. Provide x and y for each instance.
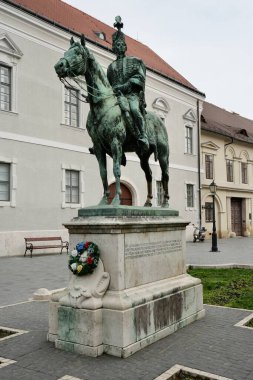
(122, 332)
(124, 352)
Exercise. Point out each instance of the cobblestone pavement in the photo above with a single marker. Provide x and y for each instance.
(237, 250)
(212, 344)
(20, 277)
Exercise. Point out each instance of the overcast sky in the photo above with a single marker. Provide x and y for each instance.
(209, 42)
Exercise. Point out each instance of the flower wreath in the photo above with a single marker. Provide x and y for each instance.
(84, 259)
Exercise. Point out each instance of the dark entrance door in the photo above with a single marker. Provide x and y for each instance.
(236, 216)
(126, 196)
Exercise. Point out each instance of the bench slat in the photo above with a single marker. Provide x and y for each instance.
(46, 246)
(44, 238)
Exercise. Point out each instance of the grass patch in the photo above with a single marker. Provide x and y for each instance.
(250, 323)
(5, 333)
(226, 287)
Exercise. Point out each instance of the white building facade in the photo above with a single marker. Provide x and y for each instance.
(46, 170)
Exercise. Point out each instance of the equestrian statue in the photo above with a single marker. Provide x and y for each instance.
(118, 121)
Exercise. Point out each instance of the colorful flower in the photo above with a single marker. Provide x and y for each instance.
(90, 260)
(87, 244)
(79, 268)
(74, 253)
(74, 266)
(80, 246)
(83, 259)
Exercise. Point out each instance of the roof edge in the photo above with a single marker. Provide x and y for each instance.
(225, 135)
(56, 24)
(177, 82)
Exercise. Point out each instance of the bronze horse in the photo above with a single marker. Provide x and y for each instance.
(106, 125)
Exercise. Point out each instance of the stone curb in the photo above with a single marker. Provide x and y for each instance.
(220, 266)
(176, 369)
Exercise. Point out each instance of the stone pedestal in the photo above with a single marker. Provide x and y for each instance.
(149, 296)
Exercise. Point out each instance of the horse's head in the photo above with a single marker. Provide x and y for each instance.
(74, 62)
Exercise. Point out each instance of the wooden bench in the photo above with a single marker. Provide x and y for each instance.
(56, 242)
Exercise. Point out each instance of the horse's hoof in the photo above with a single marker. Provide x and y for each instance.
(103, 202)
(148, 204)
(115, 202)
(165, 204)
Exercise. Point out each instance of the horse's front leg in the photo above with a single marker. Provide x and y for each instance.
(116, 148)
(101, 157)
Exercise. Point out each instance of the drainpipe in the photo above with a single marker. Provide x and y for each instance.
(199, 178)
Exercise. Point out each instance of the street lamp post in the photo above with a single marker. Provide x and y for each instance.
(213, 188)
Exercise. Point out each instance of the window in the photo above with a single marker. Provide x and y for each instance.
(161, 107)
(190, 195)
(209, 211)
(4, 182)
(244, 167)
(100, 35)
(209, 166)
(188, 140)
(5, 88)
(230, 174)
(10, 54)
(71, 107)
(72, 186)
(159, 192)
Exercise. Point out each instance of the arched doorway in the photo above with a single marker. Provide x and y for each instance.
(126, 195)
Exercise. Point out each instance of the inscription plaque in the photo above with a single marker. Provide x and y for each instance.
(151, 249)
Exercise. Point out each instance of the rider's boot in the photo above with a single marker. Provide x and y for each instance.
(143, 138)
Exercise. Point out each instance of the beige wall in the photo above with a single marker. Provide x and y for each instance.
(222, 149)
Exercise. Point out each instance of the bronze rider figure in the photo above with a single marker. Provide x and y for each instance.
(127, 77)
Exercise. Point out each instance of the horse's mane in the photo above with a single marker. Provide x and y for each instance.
(96, 67)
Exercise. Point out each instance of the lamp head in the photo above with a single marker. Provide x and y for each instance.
(213, 188)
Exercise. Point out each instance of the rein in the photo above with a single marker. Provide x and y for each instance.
(85, 101)
(81, 68)
(99, 97)
(63, 80)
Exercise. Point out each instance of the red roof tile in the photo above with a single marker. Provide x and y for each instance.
(218, 120)
(77, 21)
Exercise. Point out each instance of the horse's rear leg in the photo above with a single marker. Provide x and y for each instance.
(117, 157)
(101, 157)
(164, 164)
(148, 174)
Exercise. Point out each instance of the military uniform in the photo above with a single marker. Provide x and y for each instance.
(127, 77)
(127, 70)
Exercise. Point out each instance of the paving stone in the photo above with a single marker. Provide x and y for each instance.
(212, 344)
(231, 251)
